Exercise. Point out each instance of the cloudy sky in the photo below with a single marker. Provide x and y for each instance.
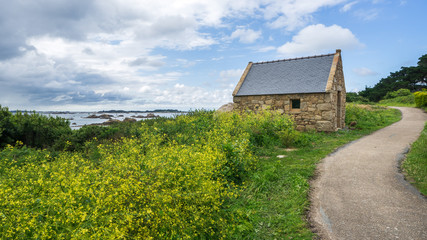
(188, 54)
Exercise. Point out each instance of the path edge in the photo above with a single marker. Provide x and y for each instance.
(319, 224)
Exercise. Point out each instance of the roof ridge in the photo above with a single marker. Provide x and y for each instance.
(298, 58)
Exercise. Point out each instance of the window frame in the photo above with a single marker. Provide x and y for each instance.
(297, 103)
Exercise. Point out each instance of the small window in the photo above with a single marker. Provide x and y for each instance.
(296, 103)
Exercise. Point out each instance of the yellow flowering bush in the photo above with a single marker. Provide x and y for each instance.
(421, 98)
(173, 181)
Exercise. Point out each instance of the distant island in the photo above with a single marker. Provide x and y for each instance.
(106, 111)
(146, 111)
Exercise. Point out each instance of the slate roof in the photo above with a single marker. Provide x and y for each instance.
(298, 75)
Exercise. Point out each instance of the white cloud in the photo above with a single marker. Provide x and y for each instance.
(290, 14)
(266, 49)
(185, 63)
(363, 71)
(217, 58)
(348, 6)
(246, 35)
(232, 73)
(192, 97)
(113, 51)
(316, 39)
(367, 14)
(144, 89)
(173, 24)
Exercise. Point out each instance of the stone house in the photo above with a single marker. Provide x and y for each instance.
(311, 89)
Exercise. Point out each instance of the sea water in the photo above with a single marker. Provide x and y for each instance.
(79, 119)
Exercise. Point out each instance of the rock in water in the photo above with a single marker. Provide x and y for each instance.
(129, 120)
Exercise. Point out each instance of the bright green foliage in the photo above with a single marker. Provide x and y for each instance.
(415, 164)
(175, 180)
(32, 129)
(367, 116)
(402, 98)
(399, 93)
(403, 101)
(421, 98)
(355, 98)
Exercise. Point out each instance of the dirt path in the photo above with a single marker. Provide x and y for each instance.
(359, 192)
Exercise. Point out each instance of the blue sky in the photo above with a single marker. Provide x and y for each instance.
(94, 55)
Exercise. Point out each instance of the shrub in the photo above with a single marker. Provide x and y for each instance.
(399, 93)
(33, 129)
(402, 101)
(355, 97)
(421, 98)
(138, 189)
(19, 155)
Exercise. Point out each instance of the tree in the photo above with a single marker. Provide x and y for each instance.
(412, 78)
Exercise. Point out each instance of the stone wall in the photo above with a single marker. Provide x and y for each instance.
(338, 87)
(316, 110)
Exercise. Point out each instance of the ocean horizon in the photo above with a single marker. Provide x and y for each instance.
(80, 119)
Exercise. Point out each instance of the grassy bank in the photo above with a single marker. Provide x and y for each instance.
(415, 164)
(199, 176)
(405, 101)
(399, 98)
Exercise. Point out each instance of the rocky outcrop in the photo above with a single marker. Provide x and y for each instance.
(102, 116)
(129, 120)
(152, 115)
(149, 115)
(229, 107)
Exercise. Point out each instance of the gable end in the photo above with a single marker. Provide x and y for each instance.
(242, 79)
(333, 71)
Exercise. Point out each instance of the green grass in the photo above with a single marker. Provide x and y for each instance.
(275, 200)
(415, 165)
(403, 101)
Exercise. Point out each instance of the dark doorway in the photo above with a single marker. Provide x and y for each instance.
(339, 119)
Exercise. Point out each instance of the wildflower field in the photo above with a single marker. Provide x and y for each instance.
(203, 175)
(174, 180)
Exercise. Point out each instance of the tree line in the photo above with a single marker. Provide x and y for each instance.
(413, 78)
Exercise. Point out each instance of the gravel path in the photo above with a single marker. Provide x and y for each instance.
(359, 192)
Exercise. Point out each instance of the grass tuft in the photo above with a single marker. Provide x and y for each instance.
(415, 165)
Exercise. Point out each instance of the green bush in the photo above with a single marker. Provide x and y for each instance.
(33, 129)
(355, 98)
(399, 101)
(399, 93)
(20, 155)
(421, 98)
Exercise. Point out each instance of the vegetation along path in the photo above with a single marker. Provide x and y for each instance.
(359, 192)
